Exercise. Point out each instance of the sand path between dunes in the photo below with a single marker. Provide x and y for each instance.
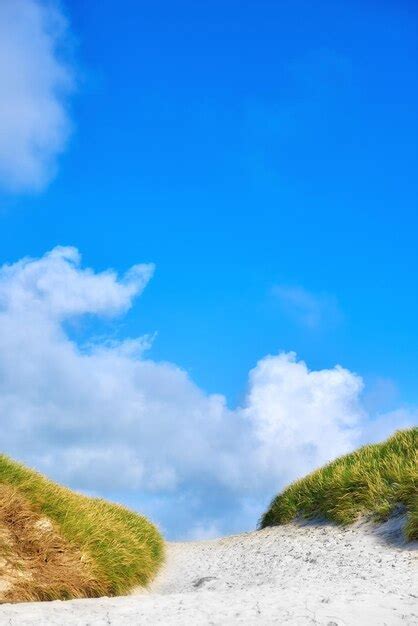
(295, 574)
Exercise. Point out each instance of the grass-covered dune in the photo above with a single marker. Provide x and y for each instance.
(57, 544)
(374, 480)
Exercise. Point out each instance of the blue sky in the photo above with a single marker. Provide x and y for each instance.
(263, 155)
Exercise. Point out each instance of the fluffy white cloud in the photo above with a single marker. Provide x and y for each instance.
(56, 286)
(301, 418)
(34, 84)
(108, 420)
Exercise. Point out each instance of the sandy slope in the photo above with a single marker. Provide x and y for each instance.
(295, 574)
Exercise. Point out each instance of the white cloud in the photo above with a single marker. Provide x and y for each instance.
(57, 287)
(306, 308)
(108, 420)
(301, 418)
(34, 85)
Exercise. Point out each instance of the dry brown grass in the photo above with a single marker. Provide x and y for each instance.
(69, 545)
(36, 562)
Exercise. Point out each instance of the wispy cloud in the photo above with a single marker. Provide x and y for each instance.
(311, 310)
(34, 86)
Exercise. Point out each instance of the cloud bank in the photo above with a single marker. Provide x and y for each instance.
(106, 419)
(34, 85)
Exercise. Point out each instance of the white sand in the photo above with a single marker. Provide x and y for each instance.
(295, 574)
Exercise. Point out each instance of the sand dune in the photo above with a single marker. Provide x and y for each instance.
(293, 574)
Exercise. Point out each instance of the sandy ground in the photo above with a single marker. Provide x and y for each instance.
(295, 574)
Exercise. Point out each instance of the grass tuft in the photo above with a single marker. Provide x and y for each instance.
(105, 548)
(374, 480)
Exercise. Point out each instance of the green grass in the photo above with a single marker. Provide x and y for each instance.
(373, 480)
(123, 548)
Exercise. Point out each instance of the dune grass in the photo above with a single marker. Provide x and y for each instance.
(374, 480)
(117, 548)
